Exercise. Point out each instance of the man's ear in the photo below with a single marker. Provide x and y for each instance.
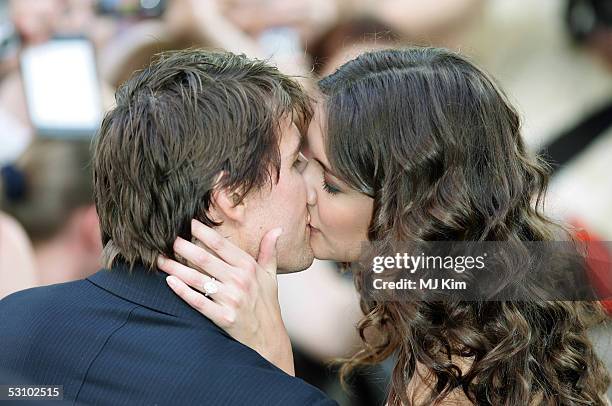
(226, 204)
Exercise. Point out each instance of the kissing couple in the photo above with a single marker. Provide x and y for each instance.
(222, 172)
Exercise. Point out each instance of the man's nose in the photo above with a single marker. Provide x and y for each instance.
(309, 179)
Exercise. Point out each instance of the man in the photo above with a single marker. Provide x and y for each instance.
(210, 136)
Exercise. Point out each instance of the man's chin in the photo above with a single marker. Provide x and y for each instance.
(296, 263)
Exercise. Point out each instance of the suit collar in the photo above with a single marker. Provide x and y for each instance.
(145, 287)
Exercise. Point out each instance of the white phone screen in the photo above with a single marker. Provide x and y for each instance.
(62, 87)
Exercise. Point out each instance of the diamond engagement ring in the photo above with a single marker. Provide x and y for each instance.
(210, 287)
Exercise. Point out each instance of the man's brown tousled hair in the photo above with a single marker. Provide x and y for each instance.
(179, 123)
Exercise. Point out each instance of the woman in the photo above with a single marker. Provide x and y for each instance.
(420, 145)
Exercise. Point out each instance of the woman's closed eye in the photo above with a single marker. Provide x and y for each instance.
(329, 188)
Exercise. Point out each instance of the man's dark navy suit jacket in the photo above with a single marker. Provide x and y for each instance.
(120, 338)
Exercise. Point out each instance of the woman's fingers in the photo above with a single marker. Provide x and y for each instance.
(225, 294)
(197, 300)
(245, 304)
(202, 259)
(188, 275)
(267, 250)
(221, 246)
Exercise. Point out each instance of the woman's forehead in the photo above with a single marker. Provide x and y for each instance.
(314, 142)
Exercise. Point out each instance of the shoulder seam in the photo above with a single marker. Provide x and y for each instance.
(100, 351)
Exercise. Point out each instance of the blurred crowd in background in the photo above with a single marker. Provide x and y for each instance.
(62, 60)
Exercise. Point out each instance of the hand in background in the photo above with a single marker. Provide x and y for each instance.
(311, 18)
(203, 21)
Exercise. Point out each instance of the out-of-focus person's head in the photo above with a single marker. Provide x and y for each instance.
(17, 265)
(35, 20)
(207, 135)
(39, 20)
(349, 39)
(49, 191)
(590, 23)
(309, 18)
(46, 185)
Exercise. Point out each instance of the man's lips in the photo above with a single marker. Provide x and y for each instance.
(313, 228)
(309, 224)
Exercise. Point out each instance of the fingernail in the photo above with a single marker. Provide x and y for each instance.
(177, 242)
(170, 280)
(278, 232)
(196, 223)
(160, 260)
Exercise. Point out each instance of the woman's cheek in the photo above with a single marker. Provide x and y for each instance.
(339, 218)
(327, 211)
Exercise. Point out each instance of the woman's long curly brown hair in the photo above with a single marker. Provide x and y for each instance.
(440, 145)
